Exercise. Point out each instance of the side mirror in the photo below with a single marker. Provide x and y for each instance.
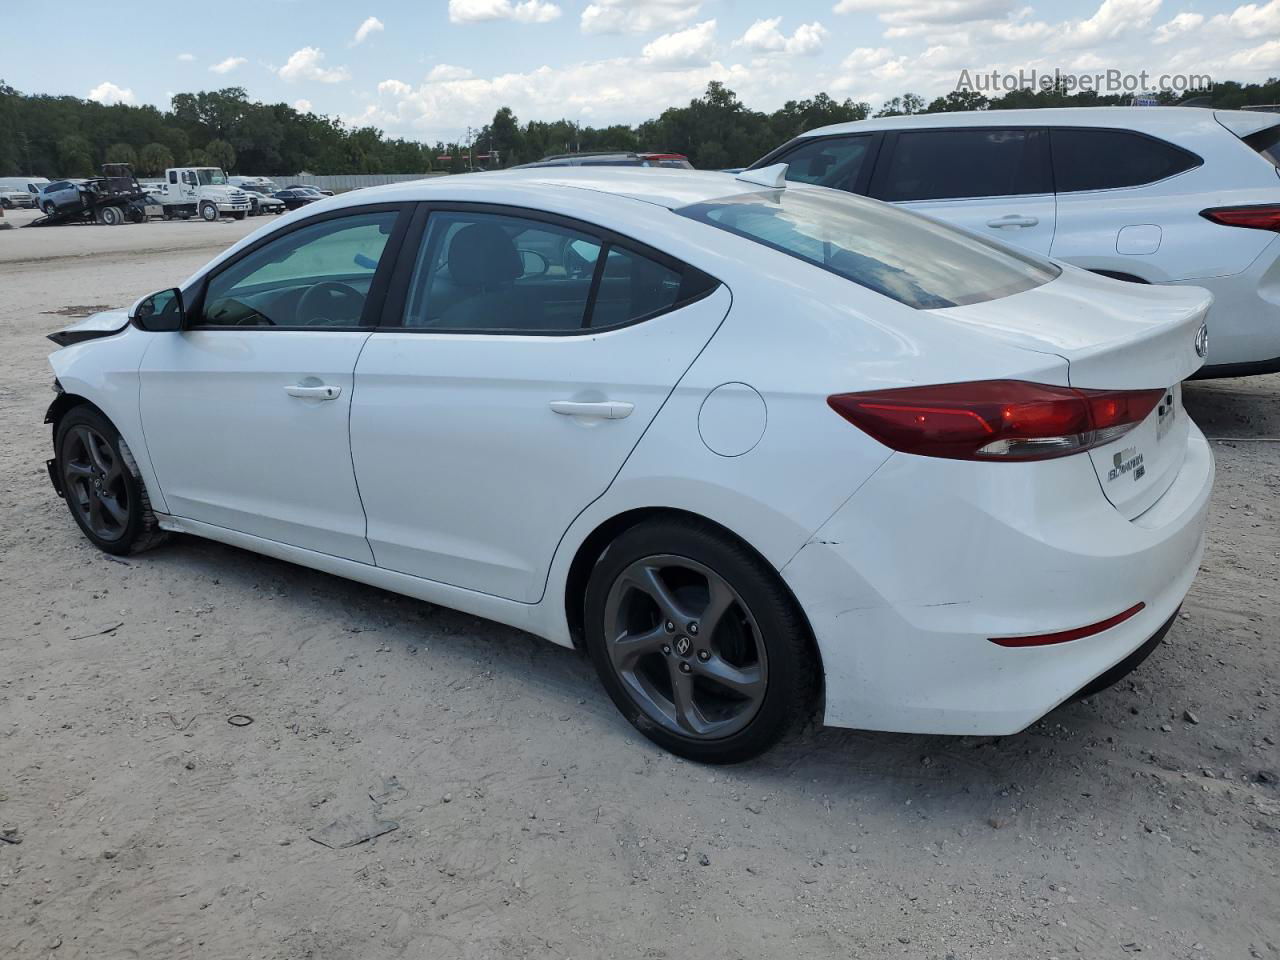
(160, 312)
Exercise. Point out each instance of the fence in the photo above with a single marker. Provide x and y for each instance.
(355, 181)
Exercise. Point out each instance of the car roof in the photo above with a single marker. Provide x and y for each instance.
(1155, 120)
(663, 186)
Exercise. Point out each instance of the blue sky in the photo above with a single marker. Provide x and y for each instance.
(429, 68)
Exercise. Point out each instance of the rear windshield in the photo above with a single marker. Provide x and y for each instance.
(1267, 143)
(905, 256)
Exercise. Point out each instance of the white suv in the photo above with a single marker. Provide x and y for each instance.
(1153, 195)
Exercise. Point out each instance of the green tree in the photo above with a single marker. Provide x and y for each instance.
(905, 105)
(198, 158)
(121, 153)
(154, 158)
(959, 100)
(220, 154)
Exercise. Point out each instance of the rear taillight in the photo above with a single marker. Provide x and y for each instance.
(1265, 216)
(995, 419)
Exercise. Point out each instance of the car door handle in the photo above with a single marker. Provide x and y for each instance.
(607, 409)
(307, 392)
(1013, 220)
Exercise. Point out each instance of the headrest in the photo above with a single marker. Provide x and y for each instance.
(482, 255)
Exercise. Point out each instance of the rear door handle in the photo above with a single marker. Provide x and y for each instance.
(307, 392)
(606, 409)
(1013, 220)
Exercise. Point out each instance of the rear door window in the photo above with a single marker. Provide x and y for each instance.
(962, 163)
(834, 162)
(1267, 143)
(1097, 159)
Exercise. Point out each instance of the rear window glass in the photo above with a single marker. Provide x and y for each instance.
(907, 257)
(1267, 143)
(954, 164)
(1086, 159)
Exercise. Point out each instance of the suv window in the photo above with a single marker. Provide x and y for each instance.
(902, 255)
(1097, 159)
(828, 161)
(962, 163)
(1267, 143)
(318, 275)
(633, 287)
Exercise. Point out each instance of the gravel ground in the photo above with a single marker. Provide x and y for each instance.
(532, 821)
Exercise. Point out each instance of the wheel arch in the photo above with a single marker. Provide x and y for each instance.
(608, 530)
(63, 403)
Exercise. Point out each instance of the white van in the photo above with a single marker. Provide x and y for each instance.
(20, 191)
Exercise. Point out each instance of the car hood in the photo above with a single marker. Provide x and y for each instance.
(102, 324)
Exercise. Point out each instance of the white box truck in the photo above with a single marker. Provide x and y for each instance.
(200, 191)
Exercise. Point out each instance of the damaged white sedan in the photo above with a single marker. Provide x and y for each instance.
(758, 448)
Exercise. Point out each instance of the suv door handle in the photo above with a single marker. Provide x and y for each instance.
(307, 392)
(606, 409)
(1013, 220)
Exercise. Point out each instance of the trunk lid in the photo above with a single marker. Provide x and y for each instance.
(1114, 336)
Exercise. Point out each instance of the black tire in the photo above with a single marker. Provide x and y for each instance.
(138, 530)
(6, 203)
(49, 208)
(239, 214)
(208, 212)
(111, 216)
(790, 678)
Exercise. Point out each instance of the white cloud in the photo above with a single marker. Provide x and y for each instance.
(305, 64)
(1263, 57)
(1112, 18)
(367, 29)
(637, 16)
(108, 92)
(227, 65)
(447, 71)
(684, 48)
(904, 13)
(1180, 24)
(186, 57)
(763, 36)
(394, 88)
(525, 11)
(1251, 20)
(302, 106)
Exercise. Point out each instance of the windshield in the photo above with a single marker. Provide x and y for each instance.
(902, 255)
(211, 176)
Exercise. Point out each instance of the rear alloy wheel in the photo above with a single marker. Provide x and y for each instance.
(107, 501)
(111, 216)
(698, 642)
(208, 212)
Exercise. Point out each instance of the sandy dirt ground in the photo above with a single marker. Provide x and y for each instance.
(532, 821)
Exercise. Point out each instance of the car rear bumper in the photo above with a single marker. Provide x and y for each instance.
(1244, 321)
(905, 585)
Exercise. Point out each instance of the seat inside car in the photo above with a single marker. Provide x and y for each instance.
(483, 265)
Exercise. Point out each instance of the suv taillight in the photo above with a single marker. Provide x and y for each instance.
(1265, 216)
(998, 420)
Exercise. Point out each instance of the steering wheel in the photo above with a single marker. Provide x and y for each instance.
(330, 303)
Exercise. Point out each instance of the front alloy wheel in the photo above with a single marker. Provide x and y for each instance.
(697, 640)
(94, 483)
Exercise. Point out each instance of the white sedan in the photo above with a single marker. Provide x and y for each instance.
(757, 449)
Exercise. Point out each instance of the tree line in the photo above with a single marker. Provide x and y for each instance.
(65, 136)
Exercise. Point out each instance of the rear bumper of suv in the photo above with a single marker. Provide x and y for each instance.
(905, 593)
(1244, 322)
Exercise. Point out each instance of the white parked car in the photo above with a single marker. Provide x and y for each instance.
(1172, 195)
(754, 449)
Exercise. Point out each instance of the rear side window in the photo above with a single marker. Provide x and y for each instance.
(955, 164)
(902, 255)
(501, 273)
(1086, 159)
(1267, 143)
(828, 161)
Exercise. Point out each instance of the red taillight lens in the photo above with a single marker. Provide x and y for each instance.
(995, 419)
(1264, 216)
